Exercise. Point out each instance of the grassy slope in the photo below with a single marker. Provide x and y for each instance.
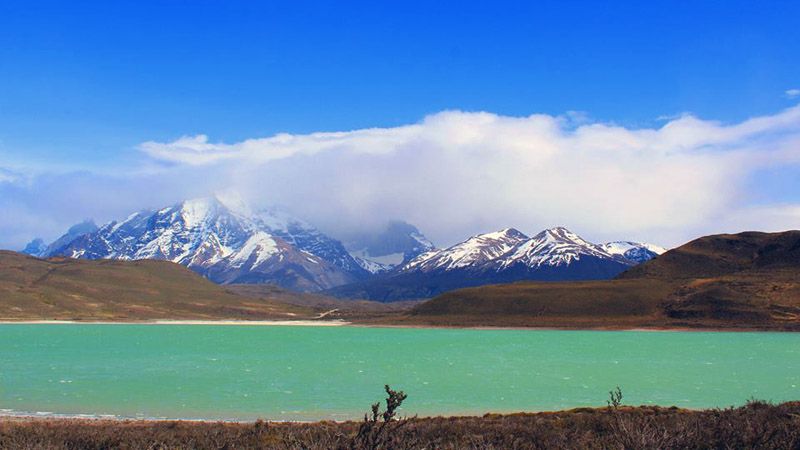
(748, 280)
(32, 288)
(351, 310)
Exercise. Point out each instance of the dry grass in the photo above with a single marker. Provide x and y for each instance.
(743, 301)
(67, 289)
(756, 425)
(588, 303)
(350, 309)
(748, 300)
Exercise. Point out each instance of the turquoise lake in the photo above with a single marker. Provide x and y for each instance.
(308, 373)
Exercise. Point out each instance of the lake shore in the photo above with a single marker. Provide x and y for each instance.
(304, 323)
(754, 425)
(343, 323)
(384, 324)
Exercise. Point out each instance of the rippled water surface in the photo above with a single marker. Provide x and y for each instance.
(284, 372)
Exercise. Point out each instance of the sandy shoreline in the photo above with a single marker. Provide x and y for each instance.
(344, 323)
(302, 323)
(96, 418)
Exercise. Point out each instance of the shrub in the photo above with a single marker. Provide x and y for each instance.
(380, 429)
(615, 398)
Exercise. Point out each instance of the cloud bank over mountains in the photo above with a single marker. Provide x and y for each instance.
(454, 174)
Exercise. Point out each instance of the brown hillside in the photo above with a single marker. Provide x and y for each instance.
(32, 288)
(724, 254)
(746, 280)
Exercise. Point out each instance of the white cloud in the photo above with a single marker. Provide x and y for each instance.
(792, 93)
(771, 218)
(457, 173)
(196, 150)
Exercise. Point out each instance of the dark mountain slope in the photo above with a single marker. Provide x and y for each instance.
(724, 254)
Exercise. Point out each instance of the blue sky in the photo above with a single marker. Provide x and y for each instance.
(84, 84)
(87, 81)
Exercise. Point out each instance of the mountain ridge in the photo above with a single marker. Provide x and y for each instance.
(229, 243)
(507, 255)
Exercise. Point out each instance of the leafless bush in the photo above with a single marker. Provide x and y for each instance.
(380, 430)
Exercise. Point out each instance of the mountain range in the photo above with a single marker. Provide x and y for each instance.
(508, 255)
(229, 243)
(749, 280)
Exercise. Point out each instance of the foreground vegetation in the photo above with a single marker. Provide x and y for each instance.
(756, 425)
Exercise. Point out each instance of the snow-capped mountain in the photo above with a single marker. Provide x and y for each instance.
(398, 243)
(509, 251)
(473, 252)
(306, 237)
(225, 244)
(634, 251)
(228, 243)
(553, 247)
(508, 255)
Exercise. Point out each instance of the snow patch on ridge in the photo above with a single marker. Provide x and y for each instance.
(620, 247)
(261, 245)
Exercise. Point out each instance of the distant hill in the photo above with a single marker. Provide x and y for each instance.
(347, 309)
(746, 280)
(64, 288)
(724, 254)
